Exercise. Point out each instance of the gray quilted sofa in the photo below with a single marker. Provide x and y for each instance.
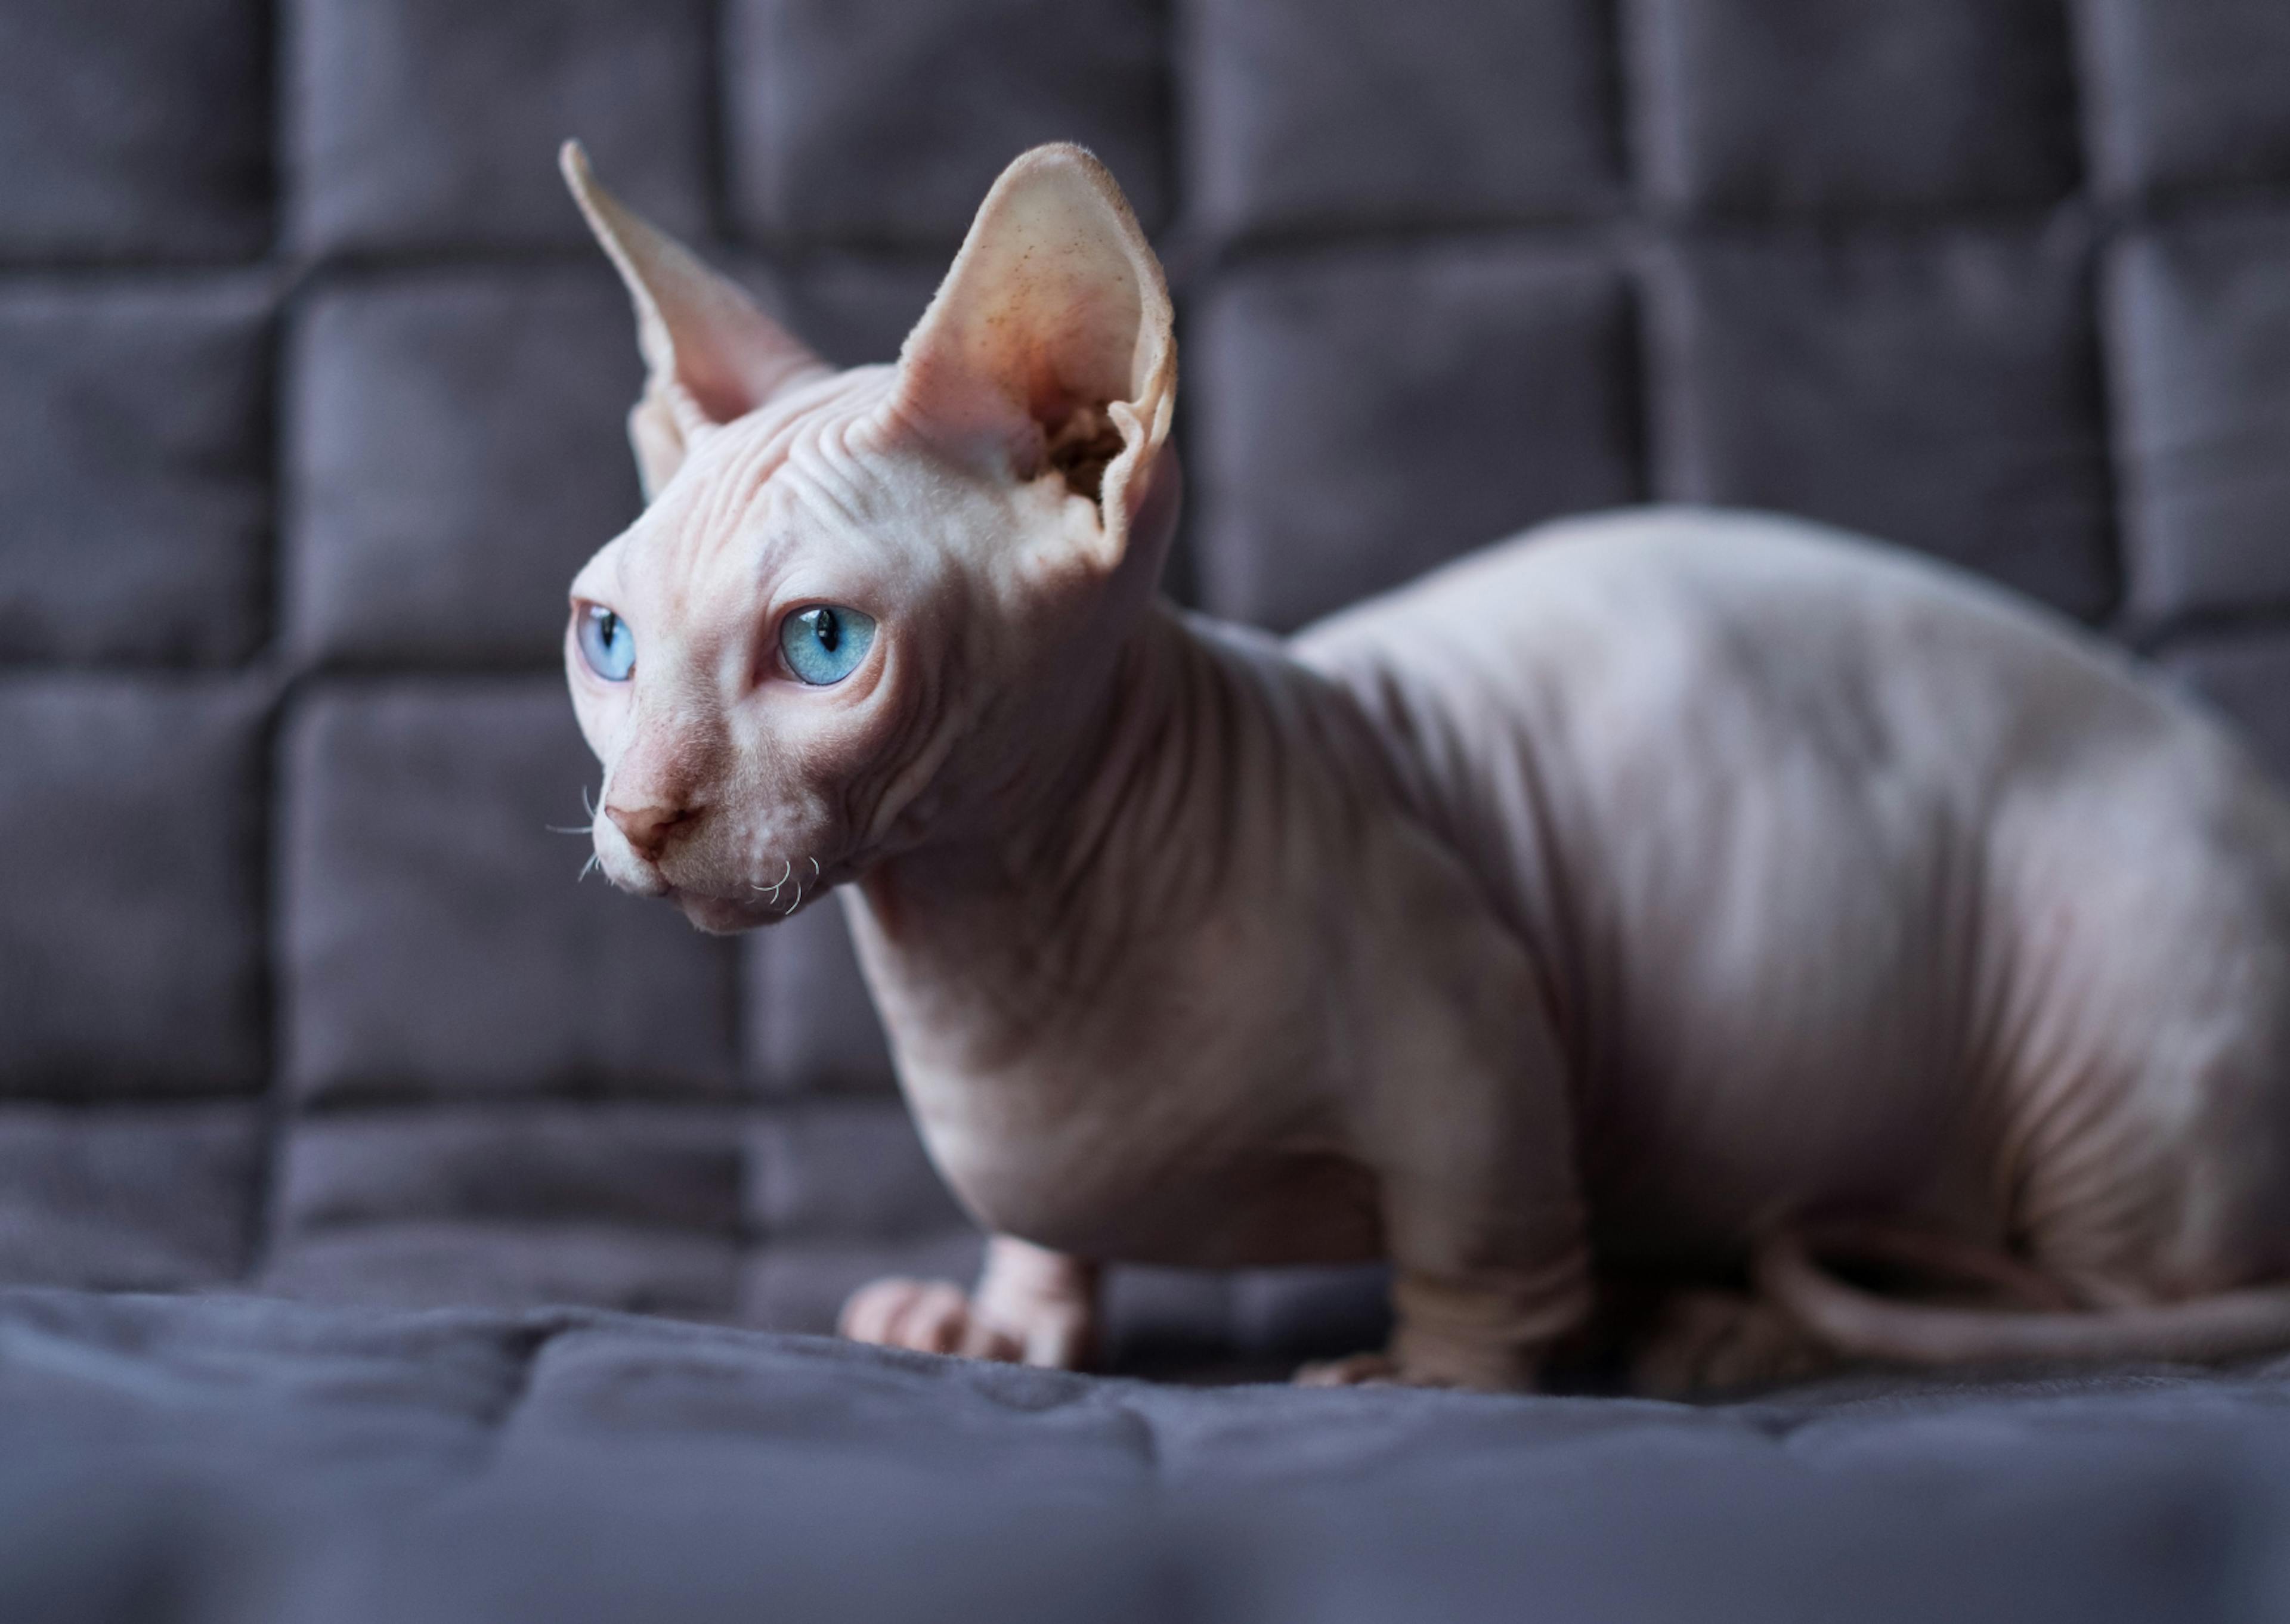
(453, 1195)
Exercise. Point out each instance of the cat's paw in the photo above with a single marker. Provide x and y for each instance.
(1020, 1327)
(1358, 1370)
(928, 1316)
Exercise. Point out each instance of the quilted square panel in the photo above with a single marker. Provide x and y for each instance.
(1935, 390)
(428, 124)
(885, 121)
(632, 1206)
(135, 131)
(849, 1169)
(1360, 416)
(132, 944)
(2244, 675)
(2188, 93)
(810, 1022)
(1309, 114)
(839, 1194)
(146, 1197)
(436, 940)
(1761, 106)
(459, 450)
(446, 1263)
(647, 1166)
(2200, 319)
(135, 441)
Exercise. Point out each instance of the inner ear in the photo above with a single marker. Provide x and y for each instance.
(1081, 447)
(1051, 339)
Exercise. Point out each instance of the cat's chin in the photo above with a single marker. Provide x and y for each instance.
(724, 917)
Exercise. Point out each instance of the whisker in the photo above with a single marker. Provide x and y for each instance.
(556, 828)
(587, 805)
(586, 868)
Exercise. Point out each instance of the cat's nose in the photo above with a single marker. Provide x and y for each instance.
(648, 829)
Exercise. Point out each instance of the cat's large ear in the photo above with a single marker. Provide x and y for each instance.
(1051, 340)
(709, 355)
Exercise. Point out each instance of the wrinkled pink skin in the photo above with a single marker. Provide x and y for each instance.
(1646, 888)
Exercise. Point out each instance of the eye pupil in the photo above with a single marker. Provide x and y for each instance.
(824, 645)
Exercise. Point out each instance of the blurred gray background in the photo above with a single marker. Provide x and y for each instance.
(311, 393)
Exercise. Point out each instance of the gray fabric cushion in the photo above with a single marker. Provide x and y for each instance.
(429, 123)
(1764, 107)
(135, 131)
(1504, 369)
(135, 465)
(466, 565)
(2201, 316)
(260, 1461)
(1836, 377)
(883, 121)
(439, 939)
(141, 1196)
(2185, 96)
(132, 947)
(1511, 114)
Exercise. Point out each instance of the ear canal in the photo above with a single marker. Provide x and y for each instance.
(1052, 336)
(711, 355)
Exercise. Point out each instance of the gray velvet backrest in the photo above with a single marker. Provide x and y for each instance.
(311, 392)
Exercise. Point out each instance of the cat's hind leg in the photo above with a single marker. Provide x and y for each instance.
(1706, 1339)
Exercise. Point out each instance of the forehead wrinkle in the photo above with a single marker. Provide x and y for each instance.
(763, 445)
(731, 493)
(838, 486)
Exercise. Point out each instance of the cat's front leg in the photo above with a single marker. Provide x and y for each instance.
(1030, 1306)
(1469, 1131)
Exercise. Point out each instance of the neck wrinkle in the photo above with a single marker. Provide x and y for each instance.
(1152, 810)
(1108, 838)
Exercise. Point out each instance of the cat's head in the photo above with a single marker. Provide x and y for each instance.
(857, 602)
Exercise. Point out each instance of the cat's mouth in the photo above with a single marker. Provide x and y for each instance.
(694, 881)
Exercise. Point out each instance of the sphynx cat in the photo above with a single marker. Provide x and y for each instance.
(1655, 896)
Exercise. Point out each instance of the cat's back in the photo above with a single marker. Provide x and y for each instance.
(1649, 607)
(1750, 786)
(1661, 654)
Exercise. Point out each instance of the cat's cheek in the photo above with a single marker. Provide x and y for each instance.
(603, 718)
(588, 732)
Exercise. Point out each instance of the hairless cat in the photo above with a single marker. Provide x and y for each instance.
(1664, 898)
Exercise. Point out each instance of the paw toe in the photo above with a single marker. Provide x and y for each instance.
(1359, 1370)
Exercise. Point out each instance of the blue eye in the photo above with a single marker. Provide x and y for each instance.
(606, 642)
(825, 644)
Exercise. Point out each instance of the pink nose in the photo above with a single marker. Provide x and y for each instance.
(648, 829)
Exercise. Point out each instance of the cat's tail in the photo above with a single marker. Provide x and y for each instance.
(1864, 1324)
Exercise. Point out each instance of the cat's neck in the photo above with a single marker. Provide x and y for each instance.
(1104, 849)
